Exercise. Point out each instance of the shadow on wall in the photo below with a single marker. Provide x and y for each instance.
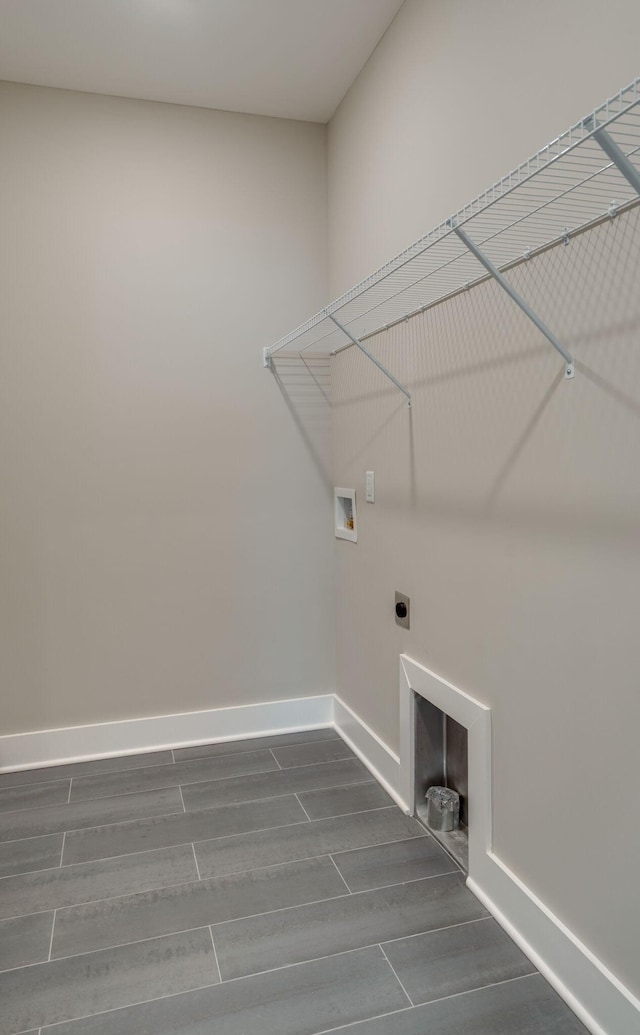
(496, 434)
(305, 384)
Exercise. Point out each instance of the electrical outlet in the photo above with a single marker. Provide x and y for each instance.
(370, 485)
(403, 605)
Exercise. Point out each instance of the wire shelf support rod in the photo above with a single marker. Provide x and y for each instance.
(376, 362)
(615, 153)
(513, 294)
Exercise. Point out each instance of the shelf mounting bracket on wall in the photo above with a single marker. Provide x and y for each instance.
(513, 294)
(615, 153)
(383, 369)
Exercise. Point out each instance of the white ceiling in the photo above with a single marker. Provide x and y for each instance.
(289, 58)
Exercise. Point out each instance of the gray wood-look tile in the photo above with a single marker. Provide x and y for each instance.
(57, 818)
(24, 940)
(77, 769)
(132, 952)
(86, 882)
(139, 835)
(298, 1001)
(154, 777)
(34, 796)
(309, 754)
(120, 920)
(270, 785)
(320, 837)
(340, 801)
(524, 1006)
(232, 747)
(374, 867)
(34, 853)
(322, 929)
(64, 989)
(458, 959)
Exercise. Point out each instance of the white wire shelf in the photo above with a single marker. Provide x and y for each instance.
(569, 185)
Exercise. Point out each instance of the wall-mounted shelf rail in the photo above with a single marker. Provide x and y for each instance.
(588, 173)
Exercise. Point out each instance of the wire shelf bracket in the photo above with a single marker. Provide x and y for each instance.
(513, 294)
(355, 341)
(615, 153)
(586, 175)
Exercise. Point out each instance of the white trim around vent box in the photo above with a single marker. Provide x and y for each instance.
(476, 719)
(603, 1004)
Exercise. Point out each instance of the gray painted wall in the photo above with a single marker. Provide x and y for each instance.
(158, 503)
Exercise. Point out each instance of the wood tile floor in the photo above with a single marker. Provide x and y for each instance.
(265, 886)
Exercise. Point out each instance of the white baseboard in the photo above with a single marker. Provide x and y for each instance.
(379, 759)
(603, 1004)
(82, 743)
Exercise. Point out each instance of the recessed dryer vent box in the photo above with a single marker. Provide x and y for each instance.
(345, 514)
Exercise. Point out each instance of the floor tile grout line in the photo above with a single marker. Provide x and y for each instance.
(324, 901)
(358, 812)
(245, 977)
(351, 757)
(230, 873)
(30, 808)
(136, 768)
(173, 755)
(449, 927)
(64, 837)
(324, 855)
(184, 807)
(195, 859)
(210, 808)
(269, 970)
(169, 786)
(127, 1006)
(280, 826)
(35, 786)
(215, 955)
(289, 794)
(181, 844)
(275, 759)
(74, 830)
(393, 970)
(340, 875)
(25, 916)
(251, 916)
(92, 862)
(104, 797)
(53, 927)
(479, 988)
(408, 1009)
(209, 779)
(83, 776)
(297, 797)
(106, 948)
(283, 826)
(111, 898)
(378, 1017)
(344, 952)
(235, 873)
(70, 786)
